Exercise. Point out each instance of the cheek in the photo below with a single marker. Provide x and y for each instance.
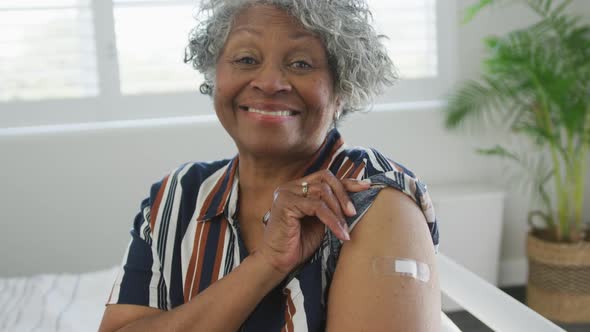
(223, 84)
(321, 95)
(223, 96)
(228, 85)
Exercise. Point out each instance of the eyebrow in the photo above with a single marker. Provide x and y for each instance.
(302, 34)
(248, 30)
(294, 36)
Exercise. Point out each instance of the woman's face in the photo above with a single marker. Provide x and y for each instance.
(274, 92)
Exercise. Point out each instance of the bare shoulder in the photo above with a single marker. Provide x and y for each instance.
(117, 316)
(366, 293)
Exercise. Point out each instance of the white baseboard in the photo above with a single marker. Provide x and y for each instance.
(513, 272)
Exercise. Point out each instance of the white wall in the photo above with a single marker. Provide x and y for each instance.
(83, 186)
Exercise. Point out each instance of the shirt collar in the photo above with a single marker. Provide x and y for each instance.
(226, 184)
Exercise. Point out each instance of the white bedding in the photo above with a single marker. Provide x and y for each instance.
(50, 302)
(66, 302)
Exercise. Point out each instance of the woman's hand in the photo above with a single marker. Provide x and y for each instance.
(297, 220)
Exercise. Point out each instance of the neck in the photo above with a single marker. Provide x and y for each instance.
(263, 176)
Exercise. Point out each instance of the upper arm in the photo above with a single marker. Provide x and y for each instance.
(117, 316)
(139, 290)
(362, 299)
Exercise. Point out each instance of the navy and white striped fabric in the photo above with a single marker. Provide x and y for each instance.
(186, 237)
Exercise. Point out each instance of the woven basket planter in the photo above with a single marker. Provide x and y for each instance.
(559, 280)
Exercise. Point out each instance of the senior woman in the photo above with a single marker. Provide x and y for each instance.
(298, 232)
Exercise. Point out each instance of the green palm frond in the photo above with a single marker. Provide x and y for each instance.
(526, 60)
(499, 151)
(545, 8)
(494, 101)
(469, 100)
(561, 7)
(540, 136)
(533, 171)
(472, 11)
(470, 103)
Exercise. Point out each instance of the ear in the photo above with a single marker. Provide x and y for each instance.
(339, 105)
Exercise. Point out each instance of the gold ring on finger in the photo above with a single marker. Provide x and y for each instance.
(304, 188)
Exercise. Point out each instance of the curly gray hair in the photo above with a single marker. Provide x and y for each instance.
(358, 60)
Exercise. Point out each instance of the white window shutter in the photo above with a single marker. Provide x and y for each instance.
(411, 29)
(151, 39)
(48, 50)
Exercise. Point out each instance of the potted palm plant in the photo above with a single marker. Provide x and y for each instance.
(536, 82)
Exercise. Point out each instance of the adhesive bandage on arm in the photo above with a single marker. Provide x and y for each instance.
(404, 267)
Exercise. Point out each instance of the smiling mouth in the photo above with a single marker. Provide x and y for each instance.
(277, 113)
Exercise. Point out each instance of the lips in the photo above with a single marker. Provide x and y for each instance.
(271, 113)
(277, 110)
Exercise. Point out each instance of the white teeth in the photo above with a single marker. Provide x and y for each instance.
(272, 113)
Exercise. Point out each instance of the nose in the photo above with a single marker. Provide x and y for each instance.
(270, 79)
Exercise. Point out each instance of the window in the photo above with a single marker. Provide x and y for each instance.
(47, 50)
(424, 62)
(411, 30)
(151, 37)
(68, 61)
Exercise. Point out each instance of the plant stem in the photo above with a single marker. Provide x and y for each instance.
(580, 175)
(571, 175)
(562, 228)
(579, 188)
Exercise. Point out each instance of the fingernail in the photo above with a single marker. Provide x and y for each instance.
(350, 207)
(345, 230)
(367, 181)
(347, 235)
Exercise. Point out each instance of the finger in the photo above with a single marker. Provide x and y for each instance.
(309, 206)
(321, 210)
(354, 185)
(324, 192)
(339, 191)
(320, 191)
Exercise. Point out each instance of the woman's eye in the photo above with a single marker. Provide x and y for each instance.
(246, 60)
(301, 64)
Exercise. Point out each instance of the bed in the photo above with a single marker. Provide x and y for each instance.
(75, 302)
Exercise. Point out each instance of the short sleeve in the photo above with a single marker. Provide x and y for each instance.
(405, 183)
(140, 279)
(400, 180)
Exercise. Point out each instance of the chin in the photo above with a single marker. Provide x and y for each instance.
(268, 145)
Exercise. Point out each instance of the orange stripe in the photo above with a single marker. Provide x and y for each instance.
(199, 270)
(355, 172)
(313, 159)
(219, 253)
(212, 194)
(156, 205)
(289, 312)
(348, 165)
(190, 272)
(348, 174)
(335, 148)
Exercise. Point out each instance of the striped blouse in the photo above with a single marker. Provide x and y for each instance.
(186, 237)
